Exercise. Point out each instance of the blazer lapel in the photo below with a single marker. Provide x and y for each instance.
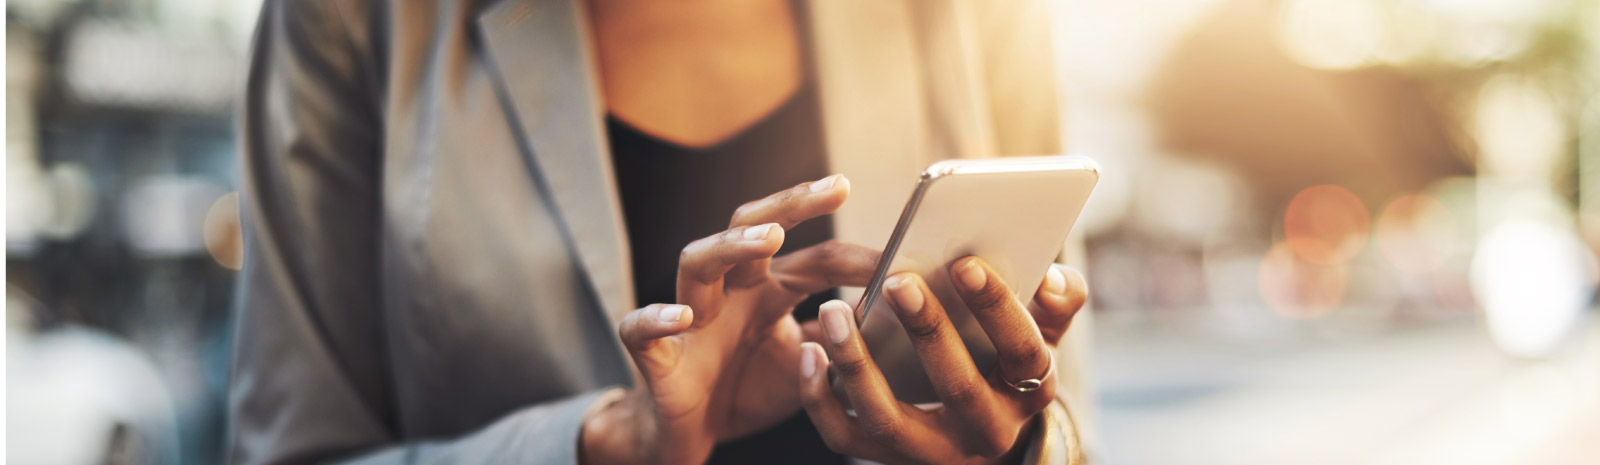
(540, 50)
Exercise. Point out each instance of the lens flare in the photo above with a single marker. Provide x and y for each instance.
(1326, 224)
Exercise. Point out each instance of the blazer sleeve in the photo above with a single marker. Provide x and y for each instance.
(310, 380)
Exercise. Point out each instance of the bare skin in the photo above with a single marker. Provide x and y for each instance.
(695, 72)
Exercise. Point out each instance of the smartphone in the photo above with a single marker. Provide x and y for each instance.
(1015, 213)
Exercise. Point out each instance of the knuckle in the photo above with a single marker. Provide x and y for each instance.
(791, 193)
(631, 337)
(964, 393)
(626, 328)
(852, 367)
(992, 297)
(687, 255)
(742, 214)
(888, 432)
(924, 331)
(1030, 356)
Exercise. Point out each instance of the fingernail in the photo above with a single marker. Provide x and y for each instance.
(1054, 281)
(757, 233)
(671, 313)
(971, 275)
(906, 295)
(808, 361)
(824, 184)
(833, 321)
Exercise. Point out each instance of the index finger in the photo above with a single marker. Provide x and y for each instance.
(794, 205)
(787, 208)
(703, 265)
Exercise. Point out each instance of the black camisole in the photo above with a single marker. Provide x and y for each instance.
(673, 195)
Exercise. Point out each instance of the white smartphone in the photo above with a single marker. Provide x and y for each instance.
(1015, 213)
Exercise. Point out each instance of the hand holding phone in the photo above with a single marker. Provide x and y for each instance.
(943, 325)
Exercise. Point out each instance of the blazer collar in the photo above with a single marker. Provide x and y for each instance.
(541, 52)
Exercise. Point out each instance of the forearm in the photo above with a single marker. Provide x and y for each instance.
(540, 434)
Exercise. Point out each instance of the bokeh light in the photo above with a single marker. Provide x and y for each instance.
(1533, 281)
(1416, 233)
(1298, 288)
(1520, 130)
(222, 233)
(1330, 34)
(1326, 224)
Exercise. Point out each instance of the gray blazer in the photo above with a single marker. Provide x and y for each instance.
(435, 251)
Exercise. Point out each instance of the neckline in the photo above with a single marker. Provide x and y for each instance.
(785, 106)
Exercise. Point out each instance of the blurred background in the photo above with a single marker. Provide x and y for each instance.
(1329, 231)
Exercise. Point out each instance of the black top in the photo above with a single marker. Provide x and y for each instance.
(673, 195)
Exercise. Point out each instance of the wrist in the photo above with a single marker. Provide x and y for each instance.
(612, 433)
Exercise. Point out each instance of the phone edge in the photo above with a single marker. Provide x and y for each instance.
(934, 172)
(875, 286)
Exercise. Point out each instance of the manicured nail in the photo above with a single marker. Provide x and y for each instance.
(671, 313)
(834, 313)
(1055, 282)
(824, 184)
(758, 233)
(808, 361)
(971, 275)
(906, 295)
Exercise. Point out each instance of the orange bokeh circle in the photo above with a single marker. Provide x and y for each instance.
(1326, 224)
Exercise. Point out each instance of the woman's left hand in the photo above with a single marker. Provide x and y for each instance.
(982, 418)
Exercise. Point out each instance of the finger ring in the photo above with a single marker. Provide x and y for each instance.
(1031, 384)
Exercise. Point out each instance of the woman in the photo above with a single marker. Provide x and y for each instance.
(453, 207)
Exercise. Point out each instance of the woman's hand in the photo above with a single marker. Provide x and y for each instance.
(981, 417)
(720, 363)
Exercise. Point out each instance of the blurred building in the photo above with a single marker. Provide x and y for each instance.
(1341, 231)
(119, 143)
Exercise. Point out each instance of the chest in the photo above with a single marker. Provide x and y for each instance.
(695, 74)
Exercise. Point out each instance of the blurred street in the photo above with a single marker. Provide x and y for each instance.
(1429, 395)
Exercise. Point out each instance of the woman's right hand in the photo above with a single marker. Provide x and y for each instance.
(718, 365)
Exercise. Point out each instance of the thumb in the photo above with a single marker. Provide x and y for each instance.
(652, 337)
